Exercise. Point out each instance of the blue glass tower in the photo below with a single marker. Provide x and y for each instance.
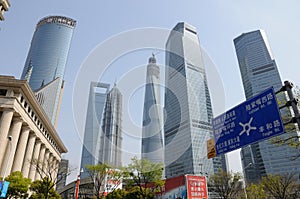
(188, 111)
(259, 72)
(94, 118)
(46, 60)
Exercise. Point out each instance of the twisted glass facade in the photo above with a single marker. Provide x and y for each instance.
(259, 72)
(47, 56)
(152, 143)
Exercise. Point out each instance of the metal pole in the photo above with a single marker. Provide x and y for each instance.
(8, 158)
(245, 192)
(288, 86)
(77, 184)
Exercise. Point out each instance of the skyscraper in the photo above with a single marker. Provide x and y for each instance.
(94, 117)
(103, 131)
(152, 143)
(188, 111)
(111, 138)
(46, 61)
(259, 72)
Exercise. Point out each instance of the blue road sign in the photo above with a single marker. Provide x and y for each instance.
(4, 188)
(251, 121)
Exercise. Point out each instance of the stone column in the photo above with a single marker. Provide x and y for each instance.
(39, 172)
(28, 155)
(46, 163)
(20, 152)
(51, 162)
(35, 156)
(11, 150)
(4, 129)
(55, 169)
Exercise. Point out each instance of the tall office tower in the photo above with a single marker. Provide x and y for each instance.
(188, 111)
(46, 61)
(94, 117)
(111, 138)
(259, 72)
(152, 143)
(103, 131)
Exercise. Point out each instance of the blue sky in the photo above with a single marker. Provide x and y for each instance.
(218, 23)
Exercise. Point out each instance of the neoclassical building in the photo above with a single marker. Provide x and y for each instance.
(26, 133)
(4, 6)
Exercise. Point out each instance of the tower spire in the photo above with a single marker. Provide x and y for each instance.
(152, 59)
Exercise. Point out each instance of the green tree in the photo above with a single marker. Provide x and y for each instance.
(116, 194)
(47, 169)
(289, 138)
(19, 185)
(256, 191)
(43, 189)
(99, 173)
(50, 178)
(281, 186)
(225, 184)
(144, 174)
(136, 193)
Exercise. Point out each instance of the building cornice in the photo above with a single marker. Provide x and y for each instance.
(25, 90)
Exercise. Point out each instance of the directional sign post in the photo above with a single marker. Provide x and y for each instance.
(251, 121)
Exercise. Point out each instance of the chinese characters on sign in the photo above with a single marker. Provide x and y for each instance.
(196, 187)
(251, 121)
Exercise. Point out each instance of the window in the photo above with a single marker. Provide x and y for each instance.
(3, 92)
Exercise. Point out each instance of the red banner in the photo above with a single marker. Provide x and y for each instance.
(196, 187)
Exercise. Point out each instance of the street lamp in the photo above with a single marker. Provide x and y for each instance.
(8, 158)
(77, 184)
(249, 165)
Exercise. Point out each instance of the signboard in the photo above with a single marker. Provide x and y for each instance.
(211, 149)
(251, 121)
(196, 187)
(4, 187)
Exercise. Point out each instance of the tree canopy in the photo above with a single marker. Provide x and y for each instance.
(43, 189)
(144, 174)
(256, 191)
(117, 194)
(19, 185)
(100, 174)
(281, 186)
(226, 185)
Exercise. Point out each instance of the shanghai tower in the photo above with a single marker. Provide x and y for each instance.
(46, 61)
(152, 143)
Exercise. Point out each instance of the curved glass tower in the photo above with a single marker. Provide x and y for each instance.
(152, 143)
(46, 60)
